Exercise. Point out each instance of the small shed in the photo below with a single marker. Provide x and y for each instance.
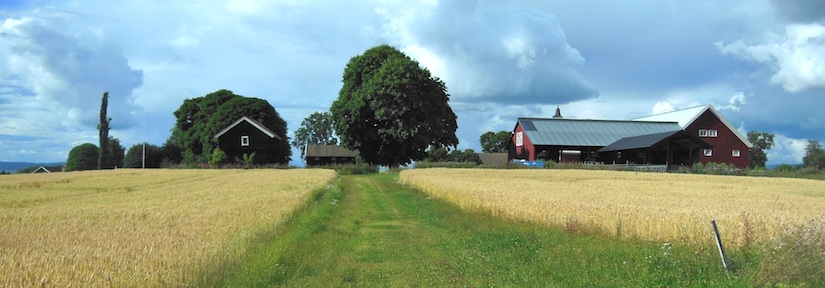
(318, 155)
(247, 136)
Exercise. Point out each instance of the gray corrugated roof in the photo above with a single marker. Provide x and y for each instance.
(593, 133)
(637, 142)
(329, 151)
(645, 141)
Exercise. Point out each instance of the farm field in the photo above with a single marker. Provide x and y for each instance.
(140, 227)
(646, 206)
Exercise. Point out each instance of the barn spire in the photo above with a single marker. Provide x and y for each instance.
(558, 113)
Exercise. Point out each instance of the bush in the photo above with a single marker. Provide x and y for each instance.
(218, 157)
(426, 164)
(83, 157)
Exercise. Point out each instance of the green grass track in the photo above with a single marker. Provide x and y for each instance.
(373, 231)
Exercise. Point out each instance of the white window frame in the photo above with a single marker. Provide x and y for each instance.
(735, 153)
(245, 141)
(712, 133)
(703, 133)
(708, 152)
(519, 139)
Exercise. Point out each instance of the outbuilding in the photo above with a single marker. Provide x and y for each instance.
(319, 155)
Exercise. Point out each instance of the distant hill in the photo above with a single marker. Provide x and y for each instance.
(14, 166)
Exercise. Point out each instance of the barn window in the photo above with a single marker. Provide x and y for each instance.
(735, 153)
(519, 139)
(244, 140)
(711, 133)
(703, 133)
(708, 152)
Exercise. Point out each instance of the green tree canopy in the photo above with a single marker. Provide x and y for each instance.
(134, 156)
(114, 155)
(495, 142)
(814, 155)
(762, 141)
(391, 109)
(199, 119)
(315, 129)
(83, 157)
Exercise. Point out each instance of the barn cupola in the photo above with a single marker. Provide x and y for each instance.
(558, 113)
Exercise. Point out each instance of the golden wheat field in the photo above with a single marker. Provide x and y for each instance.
(647, 206)
(139, 228)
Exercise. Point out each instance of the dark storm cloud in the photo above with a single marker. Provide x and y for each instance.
(800, 11)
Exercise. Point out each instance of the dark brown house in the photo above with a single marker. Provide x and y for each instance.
(247, 136)
(319, 155)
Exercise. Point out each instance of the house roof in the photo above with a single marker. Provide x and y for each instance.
(41, 169)
(314, 150)
(687, 116)
(592, 133)
(254, 123)
(650, 140)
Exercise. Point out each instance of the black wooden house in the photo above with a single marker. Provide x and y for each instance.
(247, 136)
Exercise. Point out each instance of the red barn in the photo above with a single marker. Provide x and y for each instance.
(729, 145)
(679, 138)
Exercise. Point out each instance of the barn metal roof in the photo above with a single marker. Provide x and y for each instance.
(588, 133)
(680, 138)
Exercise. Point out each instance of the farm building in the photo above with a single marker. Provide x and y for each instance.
(729, 145)
(317, 155)
(247, 136)
(665, 139)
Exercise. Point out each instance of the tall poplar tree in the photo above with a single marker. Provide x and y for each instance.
(103, 129)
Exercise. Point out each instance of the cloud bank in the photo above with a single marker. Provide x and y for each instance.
(70, 72)
(796, 58)
(490, 51)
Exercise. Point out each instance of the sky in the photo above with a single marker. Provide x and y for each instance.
(761, 63)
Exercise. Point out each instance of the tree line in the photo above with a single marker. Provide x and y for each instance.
(390, 109)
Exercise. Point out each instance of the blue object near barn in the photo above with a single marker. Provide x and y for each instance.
(534, 164)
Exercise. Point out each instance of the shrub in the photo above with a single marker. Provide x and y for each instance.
(83, 157)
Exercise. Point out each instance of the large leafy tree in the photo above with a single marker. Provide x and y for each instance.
(135, 156)
(391, 109)
(83, 157)
(814, 155)
(495, 142)
(762, 141)
(114, 154)
(315, 129)
(199, 119)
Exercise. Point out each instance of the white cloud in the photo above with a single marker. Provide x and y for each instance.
(662, 107)
(735, 103)
(786, 150)
(797, 58)
(489, 51)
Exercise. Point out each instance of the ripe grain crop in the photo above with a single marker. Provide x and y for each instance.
(647, 206)
(138, 228)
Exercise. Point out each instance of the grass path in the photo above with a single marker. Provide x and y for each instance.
(373, 231)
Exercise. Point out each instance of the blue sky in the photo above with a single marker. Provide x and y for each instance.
(761, 62)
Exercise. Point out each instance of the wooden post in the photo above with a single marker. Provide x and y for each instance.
(720, 246)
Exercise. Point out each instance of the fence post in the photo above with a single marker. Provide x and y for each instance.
(720, 246)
